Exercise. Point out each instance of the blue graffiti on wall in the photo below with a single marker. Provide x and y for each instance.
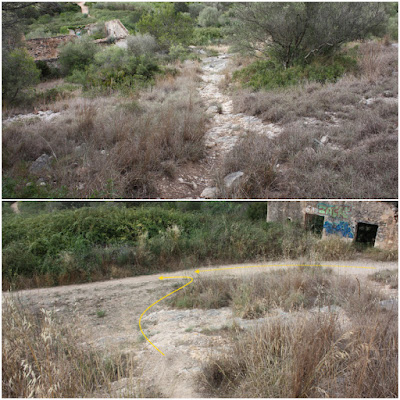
(342, 228)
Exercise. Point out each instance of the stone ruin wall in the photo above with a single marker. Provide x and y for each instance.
(341, 217)
(46, 49)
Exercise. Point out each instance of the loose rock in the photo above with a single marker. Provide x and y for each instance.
(233, 178)
(209, 193)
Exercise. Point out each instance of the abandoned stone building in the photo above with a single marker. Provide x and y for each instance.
(372, 223)
(47, 49)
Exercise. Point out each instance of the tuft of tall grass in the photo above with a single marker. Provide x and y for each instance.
(42, 358)
(386, 277)
(289, 289)
(310, 356)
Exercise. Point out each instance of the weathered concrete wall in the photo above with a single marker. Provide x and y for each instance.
(284, 210)
(116, 29)
(46, 49)
(341, 217)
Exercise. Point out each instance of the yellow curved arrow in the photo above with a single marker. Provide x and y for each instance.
(282, 265)
(169, 294)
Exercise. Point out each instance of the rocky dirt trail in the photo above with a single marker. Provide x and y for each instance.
(85, 9)
(188, 337)
(226, 128)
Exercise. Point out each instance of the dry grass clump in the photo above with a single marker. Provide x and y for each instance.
(310, 356)
(359, 152)
(387, 277)
(256, 157)
(332, 248)
(377, 254)
(103, 150)
(296, 165)
(42, 358)
(314, 99)
(376, 61)
(288, 289)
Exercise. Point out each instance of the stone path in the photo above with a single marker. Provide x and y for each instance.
(85, 9)
(225, 130)
(227, 127)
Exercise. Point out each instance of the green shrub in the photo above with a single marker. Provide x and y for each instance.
(77, 55)
(140, 45)
(205, 36)
(38, 33)
(19, 73)
(271, 75)
(115, 69)
(47, 71)
(167, 26)
(257, 210)
(178, 52)
(393, 27)
(195, 9)
(64, 30)
(209, 17)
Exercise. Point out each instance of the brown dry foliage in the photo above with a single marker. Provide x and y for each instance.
(360, 158)
(288, 289)
(44, 358)
(292, 166)
(114, 151)
(307, 354)
(311, 356)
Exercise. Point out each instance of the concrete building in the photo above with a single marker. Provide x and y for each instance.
(369, 222)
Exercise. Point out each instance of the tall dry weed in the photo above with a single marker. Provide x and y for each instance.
(42, 358)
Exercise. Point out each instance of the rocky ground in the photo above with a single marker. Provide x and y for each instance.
(225, 129)
(107, 315)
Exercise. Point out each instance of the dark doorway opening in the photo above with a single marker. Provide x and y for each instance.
(315, 223)
(366, 233)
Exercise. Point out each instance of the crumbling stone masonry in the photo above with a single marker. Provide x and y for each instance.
(369, 222)
(46, 49)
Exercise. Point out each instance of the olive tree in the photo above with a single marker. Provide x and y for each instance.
(293, 32)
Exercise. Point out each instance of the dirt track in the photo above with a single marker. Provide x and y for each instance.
(224, 131)
(180, 334)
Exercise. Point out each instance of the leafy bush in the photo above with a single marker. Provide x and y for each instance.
(98, 31)
(167, 26)
(205, 36)
(77, 55)
(209, 17)
(38, 33)
(393, 27)
(195, 9)
(302, 31)
(47, 71)
(178, 52)
(114, 68)
(19, 73)
(271, 75)
(140, 45)
(64, 30)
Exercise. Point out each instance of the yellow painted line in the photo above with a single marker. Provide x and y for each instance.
(162, 298)
(283, 265)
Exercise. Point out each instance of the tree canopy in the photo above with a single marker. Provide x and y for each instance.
(298, 31)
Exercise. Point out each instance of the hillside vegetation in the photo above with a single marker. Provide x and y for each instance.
(122, 119)
(55, 247)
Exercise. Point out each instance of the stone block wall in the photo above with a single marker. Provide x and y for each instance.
(342, 218)
(46, 49)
